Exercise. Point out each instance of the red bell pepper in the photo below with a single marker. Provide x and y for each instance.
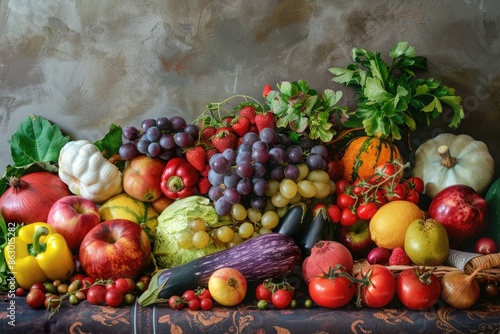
(179, 179)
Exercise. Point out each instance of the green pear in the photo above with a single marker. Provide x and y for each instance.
(426, 242)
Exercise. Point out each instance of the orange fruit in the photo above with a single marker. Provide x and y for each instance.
(389, 224)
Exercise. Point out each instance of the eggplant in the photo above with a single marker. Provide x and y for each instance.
(294, 222)
(318, 229)
(264, 256)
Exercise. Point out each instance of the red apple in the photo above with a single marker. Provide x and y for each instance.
(486, 245)
(357, 238)
(73, 217)
(142, 178)
(115, 248)
(462, 211)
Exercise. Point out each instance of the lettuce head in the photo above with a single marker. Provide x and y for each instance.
(173, 222)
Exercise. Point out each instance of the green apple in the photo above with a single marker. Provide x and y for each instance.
(426, 242)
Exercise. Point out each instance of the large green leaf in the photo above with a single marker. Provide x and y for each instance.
(37, 141)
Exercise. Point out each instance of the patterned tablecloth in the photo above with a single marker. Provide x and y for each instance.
(246, 318)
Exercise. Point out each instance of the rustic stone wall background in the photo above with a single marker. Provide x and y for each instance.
(86, 64)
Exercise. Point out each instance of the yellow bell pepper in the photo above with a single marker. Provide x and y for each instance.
(39, 254)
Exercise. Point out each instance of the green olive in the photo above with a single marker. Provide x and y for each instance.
(129, 298)
(50, 288)
(308, 303)
(73, 299)
(262, 304)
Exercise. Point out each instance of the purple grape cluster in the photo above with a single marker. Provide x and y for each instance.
(242, 174)
(163, 138)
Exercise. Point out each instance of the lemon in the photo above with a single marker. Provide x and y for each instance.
(389, 224)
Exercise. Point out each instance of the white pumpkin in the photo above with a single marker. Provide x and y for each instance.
(449, 159)
(88, 173)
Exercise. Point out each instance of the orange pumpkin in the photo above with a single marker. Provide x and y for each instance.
(364, 153)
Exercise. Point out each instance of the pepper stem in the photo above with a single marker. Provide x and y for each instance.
(37, 246)
(175, 183)
(447, 160)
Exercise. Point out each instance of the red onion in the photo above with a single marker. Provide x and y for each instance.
(30, 197)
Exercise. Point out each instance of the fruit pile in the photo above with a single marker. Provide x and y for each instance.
(248, 191)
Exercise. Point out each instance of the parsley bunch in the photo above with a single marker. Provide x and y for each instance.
(391, 96)
(303, 110)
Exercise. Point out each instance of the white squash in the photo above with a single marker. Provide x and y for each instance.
(449, 159)
(88, 173)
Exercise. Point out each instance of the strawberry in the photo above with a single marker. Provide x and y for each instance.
(265, 120)
(204, 172)
(333, 213)
(248, 112)
(209, 153)
(241, 125)
(266, 90)
(224, 128)
(208, 132)
(204, 185)
(196, 157)
(224, 140)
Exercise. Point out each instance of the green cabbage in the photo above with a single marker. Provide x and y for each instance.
(173, 222)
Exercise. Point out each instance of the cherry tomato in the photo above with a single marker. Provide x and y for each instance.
(331, 292)
(124, 286)
(262, 292)
(206, 304)
(35, 298)
(281, 298)
(416, 184)
(395, 192)
(379, 198)
(38, 286)
(203, 293)
(418, 288)
(367, 210)
(113, 297)
(51, 301)
(189, 295)
(347, 217)
(176, 303)
(340, 186)
(110, 285)
(412, 196)
(344, 200)
(193, 304)
(96, 295)
(20, 291)
(379, 286)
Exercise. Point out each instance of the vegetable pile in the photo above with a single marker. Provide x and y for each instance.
(256, 192)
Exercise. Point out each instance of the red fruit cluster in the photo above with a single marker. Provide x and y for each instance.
(194, 300)
(362, 198)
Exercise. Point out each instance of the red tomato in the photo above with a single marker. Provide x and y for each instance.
(331, 292)
(340, 186)
(194, 304)
(35, 298)
(227, 286)
(347, 217)
(395, 192)
(51, 301)
(367, 210)
(262, 292)
(378, 286)
(418, 288)
(125, 285)
(379, 198)
(96, 295)
(206, 304)
(38, 286)
(203, 293)
(416, 184)
(344, 200)
(113, 297)
(189, 295)
(412, 196)
(176, 303)
(281, 298)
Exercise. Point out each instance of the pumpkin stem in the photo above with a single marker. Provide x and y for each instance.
(447, 160)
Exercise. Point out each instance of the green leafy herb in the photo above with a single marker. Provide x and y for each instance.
(110, 144)
(37, 141)
(301, 109)
(392, 97)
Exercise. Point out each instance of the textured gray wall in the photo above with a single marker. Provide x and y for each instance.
(85, 65)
